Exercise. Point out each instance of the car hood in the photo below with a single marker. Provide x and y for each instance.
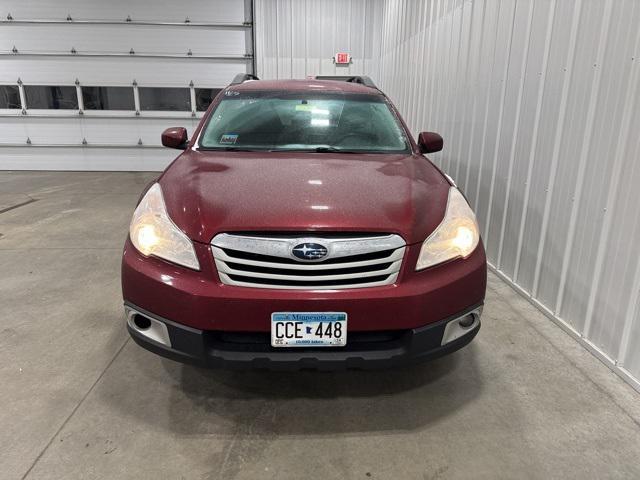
(211, 192)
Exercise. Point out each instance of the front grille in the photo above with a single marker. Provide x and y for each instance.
(267, 261)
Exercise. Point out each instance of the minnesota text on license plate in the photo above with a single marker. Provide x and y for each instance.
(308, 329)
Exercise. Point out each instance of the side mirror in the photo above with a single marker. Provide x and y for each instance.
(430, 142)
(175, 137)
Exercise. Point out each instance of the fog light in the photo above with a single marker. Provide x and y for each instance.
(461, 326)
(148, 327)
(141, 322)
(467, 321)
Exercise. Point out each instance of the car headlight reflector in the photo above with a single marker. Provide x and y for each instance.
(457, 235)
(153, 232)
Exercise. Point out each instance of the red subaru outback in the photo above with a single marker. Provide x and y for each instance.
(302, 227)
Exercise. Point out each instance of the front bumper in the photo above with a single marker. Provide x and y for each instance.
(199, 300)
(212, 324)
(368, 350)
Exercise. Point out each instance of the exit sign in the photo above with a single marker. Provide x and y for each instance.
(342, 58)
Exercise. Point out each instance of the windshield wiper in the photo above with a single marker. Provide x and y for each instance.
(232, 149)
(333, 150)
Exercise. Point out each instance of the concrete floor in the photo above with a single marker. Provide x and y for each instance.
(80, 400)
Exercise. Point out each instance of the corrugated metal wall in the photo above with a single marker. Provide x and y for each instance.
(297, 38)
(539, 105)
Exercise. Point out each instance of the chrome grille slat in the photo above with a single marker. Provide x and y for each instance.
(270, 265)
(220, 254)
(319, 272)
(228, 281)
(224, 268)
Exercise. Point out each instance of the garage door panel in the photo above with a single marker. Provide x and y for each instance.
(12, 130)
(108, 38)
(121, 70)
(86, 158)
(62, 131)
(16, 130)
(96, 131)
(118, 131)
(129, 131)
(226, 11)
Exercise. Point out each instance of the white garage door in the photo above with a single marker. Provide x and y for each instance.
(90, 85)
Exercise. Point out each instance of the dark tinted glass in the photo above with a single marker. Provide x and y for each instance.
(204, 96)
(108, 98)
(9, 96)
(173, 99)
(38, 96)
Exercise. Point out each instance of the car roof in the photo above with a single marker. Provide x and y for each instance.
(309, 85)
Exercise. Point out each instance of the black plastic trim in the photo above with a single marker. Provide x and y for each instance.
(190, 345)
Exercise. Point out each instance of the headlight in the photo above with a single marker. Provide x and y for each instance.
(153, 233)
(457, 236)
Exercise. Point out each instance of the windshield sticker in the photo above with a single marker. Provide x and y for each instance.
(228, 139)
(304, 107)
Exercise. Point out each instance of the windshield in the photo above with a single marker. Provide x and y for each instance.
(307, 121)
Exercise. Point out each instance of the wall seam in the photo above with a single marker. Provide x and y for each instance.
(586, 143)
(534, 143)
(516, 133)
(486, 109)
(503, 94)
(571, 56)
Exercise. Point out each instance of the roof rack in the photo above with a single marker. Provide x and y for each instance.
(361, 79)
(243, 77)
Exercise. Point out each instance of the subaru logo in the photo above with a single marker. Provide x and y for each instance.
(309, 251)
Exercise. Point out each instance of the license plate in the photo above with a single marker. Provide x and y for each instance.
(308, 329)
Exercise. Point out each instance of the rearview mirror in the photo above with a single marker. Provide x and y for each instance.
(430, 142)
(175, 137)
